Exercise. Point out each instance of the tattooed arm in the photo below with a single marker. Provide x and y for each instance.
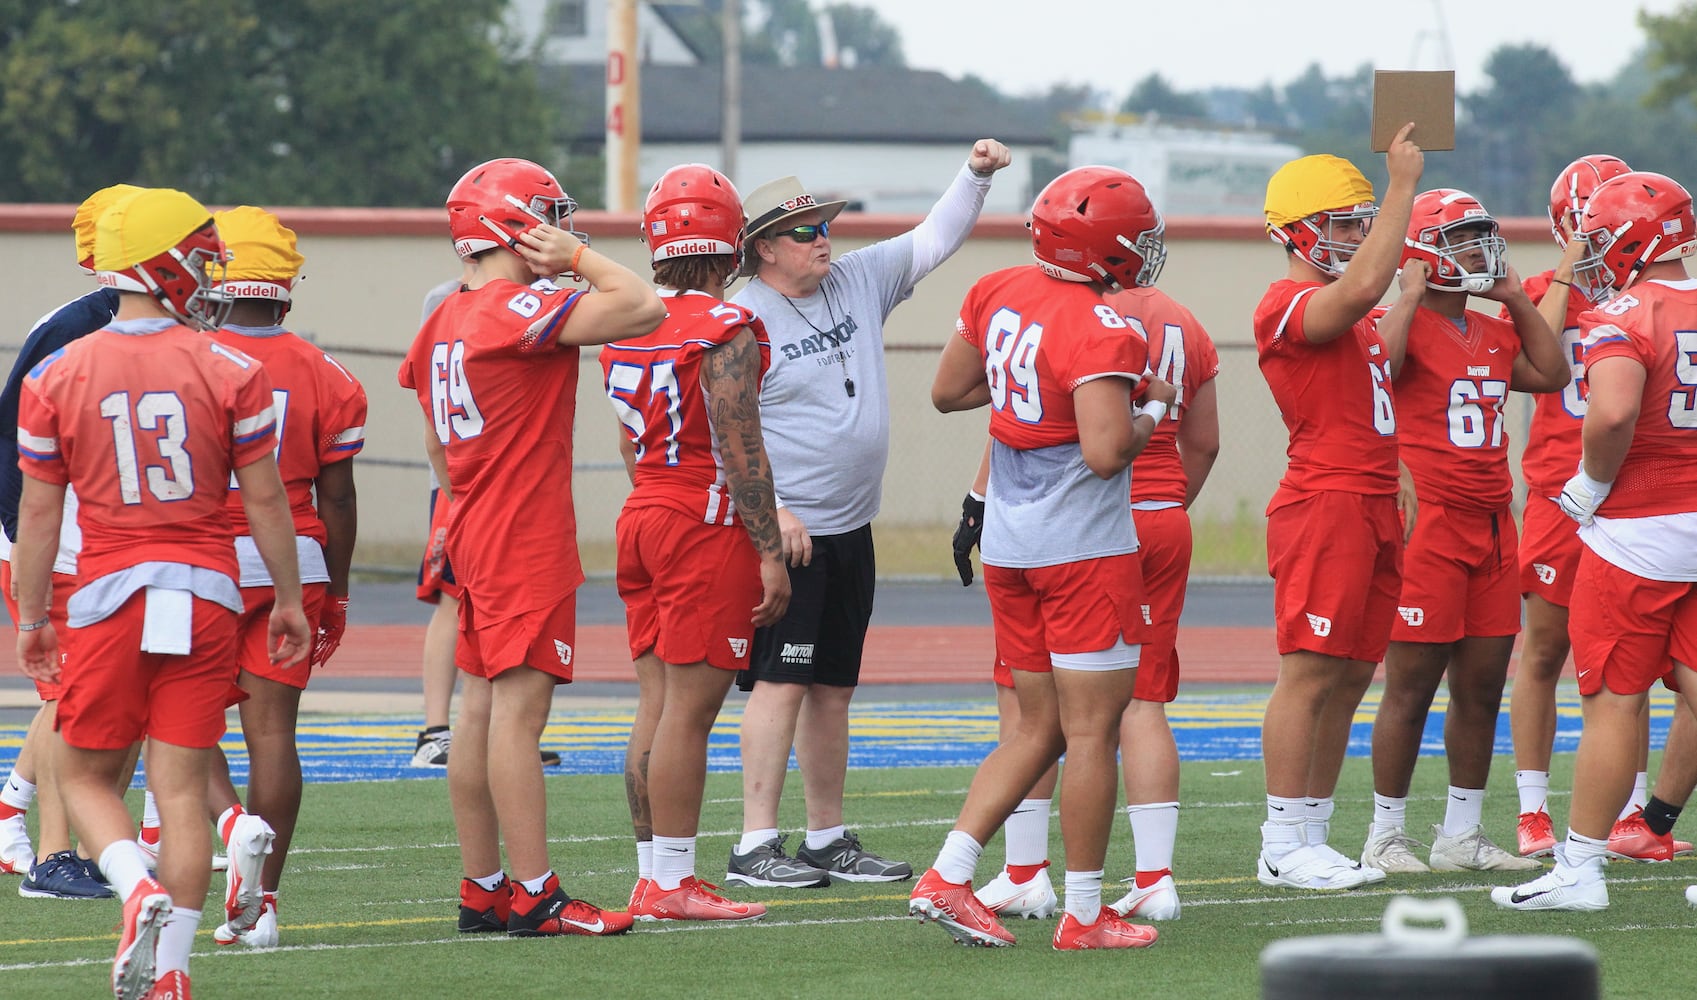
(731, 378)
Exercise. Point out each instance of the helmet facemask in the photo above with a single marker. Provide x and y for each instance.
(1592, 275)
(1452, 274)
(1321, 228)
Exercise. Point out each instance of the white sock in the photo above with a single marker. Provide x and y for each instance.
(1640, 795)
(754, 838)
(1534, 789)
(1154, 828)
(17, 792)
(674, 861)
(818, 840)
(534, 886)
(1582, 852)
(124, 866)
(489, 883)
(1027, 832)
(1465, 809)
(1280, 837)
(1319, 819)
(1390, 812)
(176, 940)
(1282, 810)
(958, 860)
(1084, 895)
(149, 809)
(645, 859)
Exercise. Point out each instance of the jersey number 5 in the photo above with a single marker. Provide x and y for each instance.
(623, 382)
(155, 411)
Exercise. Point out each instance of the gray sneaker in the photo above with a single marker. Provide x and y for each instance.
(847, 861)
(767, 866)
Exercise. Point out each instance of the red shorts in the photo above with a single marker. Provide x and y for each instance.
(543, 640)
(114, 694)
(1459, 577)
(1078, 607)
(1336, 563)
(1549, 552)
(253, 639)
(64, 585)
(1628, 631)
(690, 588)
(435, 575)
(1163, 538)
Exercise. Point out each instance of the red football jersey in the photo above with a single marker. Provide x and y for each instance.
(1552, 442)
(320, 411)
(147, 427)
(1041, 339)
(1450, 393)
(1181, 352)
(1654, 324)
(655, 385)
(1335, 399)
(502, 393)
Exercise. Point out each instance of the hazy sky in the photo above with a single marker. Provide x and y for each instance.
(1023, 46)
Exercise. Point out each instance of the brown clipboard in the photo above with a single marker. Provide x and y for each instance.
(1424, 97)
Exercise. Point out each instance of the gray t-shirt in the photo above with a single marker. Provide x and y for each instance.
(828, 448)
(1044, 507)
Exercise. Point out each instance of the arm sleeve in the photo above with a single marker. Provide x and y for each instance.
(948, 224)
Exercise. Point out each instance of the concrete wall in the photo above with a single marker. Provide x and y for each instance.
(367, 271)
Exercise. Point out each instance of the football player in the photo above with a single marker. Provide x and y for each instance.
(148, 419)
(1459, 608)
(1059, 370)
(495, 370)
(694, 586)
(1336, 524)
(1632, 498)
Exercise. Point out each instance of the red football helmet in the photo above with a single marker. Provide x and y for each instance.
(1447, 226)
(1097, 224)
(1574, 185)
(693, 209)
(1630, 222)
(496, 201)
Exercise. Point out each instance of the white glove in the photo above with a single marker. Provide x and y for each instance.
(1581, 497)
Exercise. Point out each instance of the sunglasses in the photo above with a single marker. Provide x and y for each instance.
(806, 234)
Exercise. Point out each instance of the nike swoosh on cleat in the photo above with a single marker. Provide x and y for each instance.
(1272, 871)
(1516, 897)
(595, 928)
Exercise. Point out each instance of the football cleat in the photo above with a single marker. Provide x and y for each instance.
(1631, 839)
(1472, 851)
(144, 916)
(1368, 873)
(1307, 868)
(768, 867)
(639, 894)
(173, 985)
(1155, 902)
(1536, 834)
(694, 899)
(846, 861)
(263, 933)
(1393, 853)
(1033, 899)
(1561, 888)
(1109, 931)
(553, 913)
(244, 896)
(17, 855)
(953, 905)
(484, 911)
(1691, 895)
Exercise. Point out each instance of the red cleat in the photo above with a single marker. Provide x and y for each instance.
(696, 900)
(953, 905)
(171, 986)
(639, 895)
(1633, 840)
(144, 915)
(1537, 835)
(484, 911)
(553, 913)
(1109, 931)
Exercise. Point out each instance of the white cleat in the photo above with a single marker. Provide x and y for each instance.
(1369, 874)
(1309, 868)
(262, 935)
(1471, 851)
(244, 899)
(1393, 853)
(1033, 899)
(17, 854)
(1691, 895)
(1158, 902)
(1563, 888)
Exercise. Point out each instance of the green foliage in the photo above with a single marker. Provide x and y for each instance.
(381, 102)
(1153, 95)
(786, 33)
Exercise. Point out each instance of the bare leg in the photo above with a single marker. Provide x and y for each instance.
(440, 637)
(468, 784)
(518, 712)
(274, 764)
(694, 694)
(1144, 732)
(768, 732)
(821, 749)
(1478, 669)
(1305, 731)
(1532, 703)
(1413, 671)
(1007, 723)
(1608, 754)
(1091, 705)
(650, 698)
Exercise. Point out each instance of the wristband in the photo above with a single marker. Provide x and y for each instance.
(581, 247)
(1558, 281)
(1156, 411)
(32, 626)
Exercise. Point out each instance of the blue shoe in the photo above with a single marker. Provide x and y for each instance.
(62, 876)
(91, 868)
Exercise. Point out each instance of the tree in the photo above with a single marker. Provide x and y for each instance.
(1153, 95)
(786, 33)
(1672, 55)
(283, 102)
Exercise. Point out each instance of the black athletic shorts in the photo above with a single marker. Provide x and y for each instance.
(819, 640)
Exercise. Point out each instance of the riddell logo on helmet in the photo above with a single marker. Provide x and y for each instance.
(255, 290)
(690, 248)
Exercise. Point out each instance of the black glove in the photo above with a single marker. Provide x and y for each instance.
(966, 536)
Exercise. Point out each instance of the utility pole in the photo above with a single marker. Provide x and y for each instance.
(624, 106)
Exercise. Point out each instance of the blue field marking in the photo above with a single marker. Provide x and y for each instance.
(1207, 725)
